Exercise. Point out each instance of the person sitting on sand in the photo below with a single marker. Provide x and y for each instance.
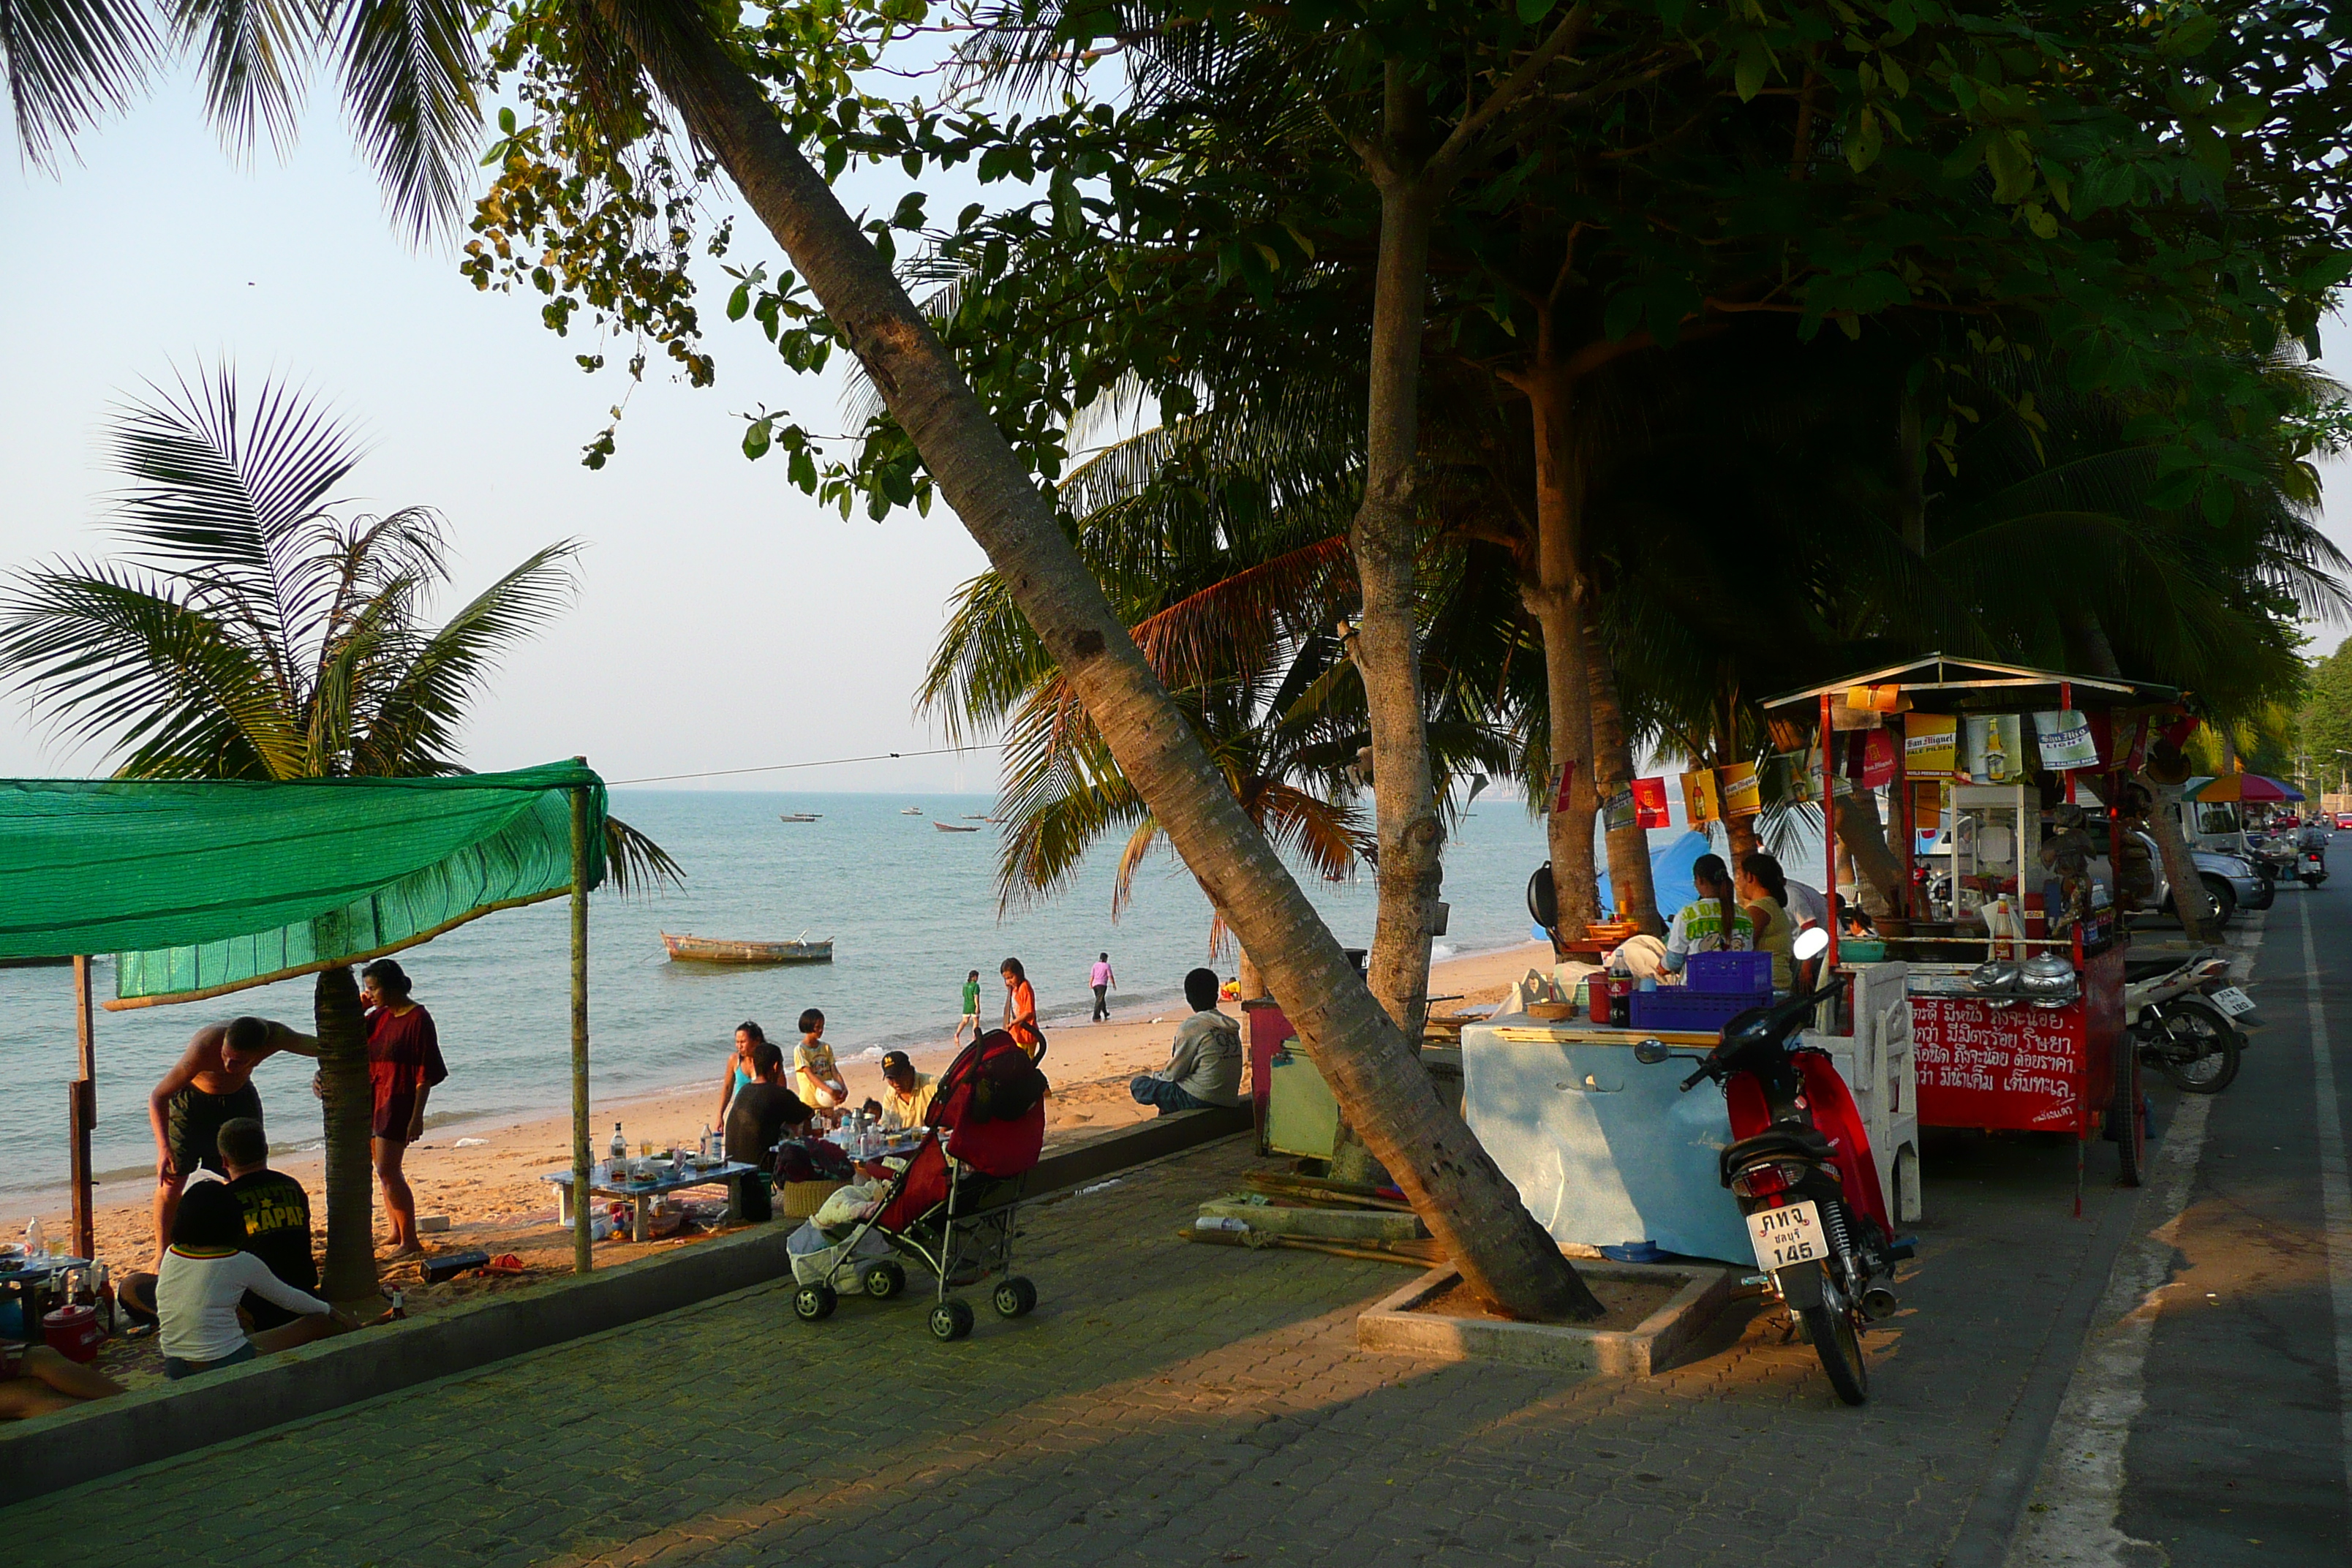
(206, 1272)
(815, 1077)
(1204, 1064)
(907, 1094)
(210, 1084)
(763, 1111)
(404, 1064)
(38, 1381)
(277, 1214)
(739, 1066)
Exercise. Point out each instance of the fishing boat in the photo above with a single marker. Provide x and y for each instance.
(798, 816)
(951, 828)
(912, 811)
(714, 950)
(978, 816)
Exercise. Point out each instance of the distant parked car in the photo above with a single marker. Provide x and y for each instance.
(2344, 819)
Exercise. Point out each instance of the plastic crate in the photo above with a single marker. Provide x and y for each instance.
(1687, 1007)
(1750, 973)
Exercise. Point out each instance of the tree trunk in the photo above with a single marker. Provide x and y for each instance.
(342, 1024)
(1549, 594)
(1454, 1186)
(1879, 872)
(1386, 539)
(2191, 901)
(1740, 837)
(1630, 880)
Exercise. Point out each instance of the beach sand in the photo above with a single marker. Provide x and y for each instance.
(487, 1177)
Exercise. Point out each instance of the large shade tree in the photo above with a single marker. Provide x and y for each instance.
(257, 628)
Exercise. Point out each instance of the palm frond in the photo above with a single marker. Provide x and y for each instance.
(635, 863)
(66, 63)
(409, 68)
(253, 55)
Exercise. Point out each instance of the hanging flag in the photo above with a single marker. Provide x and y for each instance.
(2063, 738)
(1930, 745)
(1618, 812)
(1802, 775)
(1996, 749)
(1877, 758)
(1927, 806)
(1739, 790)
(1567, 777)
(1699, 802)
(1650, 803)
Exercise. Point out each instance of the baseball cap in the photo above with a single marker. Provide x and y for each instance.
(895, 1059)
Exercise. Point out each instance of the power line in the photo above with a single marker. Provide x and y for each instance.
(825, 763)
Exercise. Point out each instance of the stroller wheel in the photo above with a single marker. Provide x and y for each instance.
(950, 1321)
(1016, 1298)
(815, 1304)
(883, 1281)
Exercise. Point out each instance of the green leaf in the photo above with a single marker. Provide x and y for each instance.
(1534, 11)
(738, 303)
(1755, 61)
(1868, 139)
(756, 437)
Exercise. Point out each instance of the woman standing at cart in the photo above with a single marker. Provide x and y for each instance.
(1764, 894)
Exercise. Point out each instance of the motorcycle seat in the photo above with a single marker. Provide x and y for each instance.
(1803, 1142)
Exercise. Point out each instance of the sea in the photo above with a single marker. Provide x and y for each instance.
(910, 910)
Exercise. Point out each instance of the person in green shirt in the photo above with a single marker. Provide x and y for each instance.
(970, 1008)
(1713, 922)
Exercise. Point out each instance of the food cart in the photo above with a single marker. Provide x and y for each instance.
(2016, 1006)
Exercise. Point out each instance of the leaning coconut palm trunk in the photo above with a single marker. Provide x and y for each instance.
(1454, 1186)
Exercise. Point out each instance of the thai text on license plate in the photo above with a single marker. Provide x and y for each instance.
(2233, 1001)
(1790, 1234)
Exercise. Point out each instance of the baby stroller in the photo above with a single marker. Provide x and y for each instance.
(953, 1208)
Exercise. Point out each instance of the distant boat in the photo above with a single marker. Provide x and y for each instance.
(978, 816)
(712, 950)
(799, 815)
(951, 828)
(912, 811)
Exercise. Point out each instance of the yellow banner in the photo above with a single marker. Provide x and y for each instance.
(1931, 745)
(1741, 795)
(1699, 802)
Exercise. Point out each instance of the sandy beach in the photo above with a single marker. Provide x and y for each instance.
(487, 1175)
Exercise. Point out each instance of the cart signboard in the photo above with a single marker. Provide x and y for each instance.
(2021, 1069)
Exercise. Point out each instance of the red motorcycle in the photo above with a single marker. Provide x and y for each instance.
(1800, 1166)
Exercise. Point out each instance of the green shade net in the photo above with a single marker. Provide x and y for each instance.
(206, 886)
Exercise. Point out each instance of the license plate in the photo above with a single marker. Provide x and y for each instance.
(1790, 1233)
(2233, 1001)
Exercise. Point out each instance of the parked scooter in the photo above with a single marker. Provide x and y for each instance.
(1801, 1167)
(2186, 1024)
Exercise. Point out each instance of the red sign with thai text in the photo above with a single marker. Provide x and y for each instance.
(2019, 1068)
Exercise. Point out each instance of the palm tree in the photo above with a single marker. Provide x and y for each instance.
(256, 629)
(409, 74)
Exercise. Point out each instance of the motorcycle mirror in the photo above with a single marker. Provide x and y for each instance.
(1650, 1053)
(1812, 943)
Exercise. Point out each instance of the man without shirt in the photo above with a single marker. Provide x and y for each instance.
(210, 1085)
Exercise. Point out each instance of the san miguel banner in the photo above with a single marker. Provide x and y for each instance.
(1650, 803)
(1743, 793)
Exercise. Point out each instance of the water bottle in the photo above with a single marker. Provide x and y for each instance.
(37, 1243)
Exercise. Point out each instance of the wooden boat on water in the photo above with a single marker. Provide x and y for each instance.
(912, 811)
(799, 815)
(714, 950)
(951, 828)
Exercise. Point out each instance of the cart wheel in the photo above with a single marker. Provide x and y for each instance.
(815, 1304)
(950, 1321)
(883, 1281)
(1016, 1298)
(2127, 1122)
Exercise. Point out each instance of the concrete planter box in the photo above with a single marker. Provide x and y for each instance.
(1700, 1293)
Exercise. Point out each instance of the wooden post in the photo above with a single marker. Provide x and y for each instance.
(83, 1108)
(1829, 833)
(582, 1259)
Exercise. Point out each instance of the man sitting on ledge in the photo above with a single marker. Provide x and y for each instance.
(1205, 1066)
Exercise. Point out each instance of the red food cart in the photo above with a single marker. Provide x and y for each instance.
(2001, 1062)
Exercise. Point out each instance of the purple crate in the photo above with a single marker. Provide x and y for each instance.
(1688, 1008)
(1748, 973)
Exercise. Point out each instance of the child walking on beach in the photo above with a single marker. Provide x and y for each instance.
(814, 1077)
(970, 1009)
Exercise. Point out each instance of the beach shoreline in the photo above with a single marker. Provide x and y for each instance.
(493, 1180)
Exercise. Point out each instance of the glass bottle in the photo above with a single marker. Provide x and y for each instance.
(620, 1153)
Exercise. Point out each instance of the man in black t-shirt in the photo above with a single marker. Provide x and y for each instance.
(276, 1216)
(762, 1113)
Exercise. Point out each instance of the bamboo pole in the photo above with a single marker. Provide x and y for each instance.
(83, 1108)
(582, 1259)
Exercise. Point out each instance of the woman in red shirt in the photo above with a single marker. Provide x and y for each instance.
(404, 1063)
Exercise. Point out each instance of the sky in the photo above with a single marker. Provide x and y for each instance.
(723, 620)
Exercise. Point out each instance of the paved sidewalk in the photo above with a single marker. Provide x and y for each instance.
(1167, 1404)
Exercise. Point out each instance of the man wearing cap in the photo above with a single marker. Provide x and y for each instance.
(905, 1093)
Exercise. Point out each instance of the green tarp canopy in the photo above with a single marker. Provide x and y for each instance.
(202, 887)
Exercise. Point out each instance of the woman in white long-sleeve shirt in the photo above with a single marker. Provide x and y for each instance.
(207, 1273)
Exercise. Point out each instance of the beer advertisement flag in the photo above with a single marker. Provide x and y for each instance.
(1995, 748)
(2063, 737)
(1741, 795)
(1930, 745)
(1650, 803)
(1567, 777)
(1877, 758)
(1699, 803)
(1618, 812)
